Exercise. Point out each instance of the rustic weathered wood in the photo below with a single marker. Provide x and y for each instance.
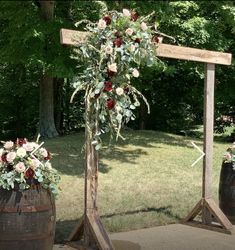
(74, 37)
(191, 54)
(195, 211)
(77, 232)
(27, 219)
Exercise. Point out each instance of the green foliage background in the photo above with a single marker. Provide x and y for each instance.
(173, 88)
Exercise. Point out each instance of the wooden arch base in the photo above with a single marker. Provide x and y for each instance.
(216, 220)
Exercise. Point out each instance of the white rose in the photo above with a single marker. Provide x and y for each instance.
(119, 91)
(108, 50)
(129, 31)
(21, 152)
(132, 48)
(43, 152)
(1, 151)
(126, 12)
(28, 146)
(20, 167)
(8, 145)
(11, 157)
(112, 67)
(102, 24)
(135, 73)
(48, 165)
(144, 26)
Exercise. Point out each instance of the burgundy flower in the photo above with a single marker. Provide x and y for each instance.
(21, 141)
(110, 104)
(29, 173)
(48, 157)
(117, 34)
(111, 73)
(107, 19)
(137, 40)
(4, 157)
(134, 16)
(156, 39)
(108, 86)
(117, 42)
(126, 90)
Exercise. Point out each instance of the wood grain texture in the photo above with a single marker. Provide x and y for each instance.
(74, 37)
(192, 54)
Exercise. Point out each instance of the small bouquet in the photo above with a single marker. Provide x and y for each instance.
(24, 164)
(229, 156)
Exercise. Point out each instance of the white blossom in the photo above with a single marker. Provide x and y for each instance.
(112, 67)
(144, 26)
(102, 24)
(11, 157)
(129, 31)
(21, 152)
(135, 73)
(20, 167)
(9, 145)
(126, 12)
(109, 50)
(119, 91)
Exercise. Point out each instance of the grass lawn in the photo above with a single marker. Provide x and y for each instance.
(144, 181)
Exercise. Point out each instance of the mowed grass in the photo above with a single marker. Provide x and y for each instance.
(146, 180)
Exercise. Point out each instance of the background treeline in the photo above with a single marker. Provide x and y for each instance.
(36, 71)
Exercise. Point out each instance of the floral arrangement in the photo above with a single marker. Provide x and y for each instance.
(229, 155)
(24, 164)
(119, 43)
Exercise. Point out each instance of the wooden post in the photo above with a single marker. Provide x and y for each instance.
(206, 205)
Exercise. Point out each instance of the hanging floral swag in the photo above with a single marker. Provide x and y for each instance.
(119, 43)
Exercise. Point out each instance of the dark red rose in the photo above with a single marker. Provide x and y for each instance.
(117, 34)
(134, 16)
(29, 173)
(21, 141)
(117, 42)
(111, 73)
(126, 90)
(137, 40)
(107, 19)
(110, 104)
(157, 39)
(48, 156)
(108, 86)
(4, 157)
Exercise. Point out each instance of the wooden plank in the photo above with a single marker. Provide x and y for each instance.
(192, 54)
(77, 232)
(194, 212)
(219, 215)
(74, 37)
(208, 129)
(99, 233)
(213, 227)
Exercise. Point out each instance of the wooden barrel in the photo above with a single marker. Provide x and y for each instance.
(27, 219)
(227, 191)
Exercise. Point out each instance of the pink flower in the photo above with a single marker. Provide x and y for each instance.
(228, 157)
(129, 31)
(109, 50)
(135, 73)
(126, 12)
(112, 67)
(35, 163)
(20, 167)
(43, 152)
(28, 146)
(102, 24)
(11, 157)
(119, 91)
(144, 26)
(9, 145)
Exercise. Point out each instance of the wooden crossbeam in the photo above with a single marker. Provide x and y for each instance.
(74, 37)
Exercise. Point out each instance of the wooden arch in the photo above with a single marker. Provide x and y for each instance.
(90, 233)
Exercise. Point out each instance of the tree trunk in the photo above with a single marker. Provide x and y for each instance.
(46, 116)
(47, 127)
(59, 104)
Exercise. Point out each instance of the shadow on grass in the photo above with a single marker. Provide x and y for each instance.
(64, 228)
(68, 151)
